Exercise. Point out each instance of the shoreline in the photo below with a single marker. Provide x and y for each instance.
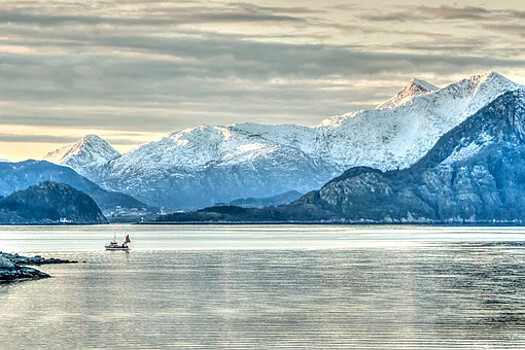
(317, 223)
(290, 223)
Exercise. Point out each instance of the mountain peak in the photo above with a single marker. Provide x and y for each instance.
(420, 84)
(415, 87)
(90, 150)
(91, 137)
(488, 81)
(488, 76)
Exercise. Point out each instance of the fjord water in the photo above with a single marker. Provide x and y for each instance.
(244, 287)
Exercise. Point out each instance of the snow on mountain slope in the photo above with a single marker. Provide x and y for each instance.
(205, 146)
(208, 164)
(87, 153)
(394, 138)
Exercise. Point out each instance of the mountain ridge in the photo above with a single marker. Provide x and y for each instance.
(474, 174)
(200, 166)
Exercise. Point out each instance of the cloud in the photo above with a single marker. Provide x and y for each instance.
(116, 140)
(17, 138)
(450, 12)
(443, 13)
(208, 81)
(176, 15)
(159, 66)
(508, 28)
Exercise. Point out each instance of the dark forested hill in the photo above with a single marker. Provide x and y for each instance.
(50, 202)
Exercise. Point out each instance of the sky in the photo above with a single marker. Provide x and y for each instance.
(133, 71)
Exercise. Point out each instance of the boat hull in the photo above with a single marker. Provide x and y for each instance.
(117, 248)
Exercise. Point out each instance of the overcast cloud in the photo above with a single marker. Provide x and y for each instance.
(147, 68)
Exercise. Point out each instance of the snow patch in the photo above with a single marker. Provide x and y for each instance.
(466, 152)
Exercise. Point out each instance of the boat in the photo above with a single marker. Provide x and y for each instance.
(113, 245)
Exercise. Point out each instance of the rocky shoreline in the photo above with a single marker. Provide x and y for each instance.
(12, 269)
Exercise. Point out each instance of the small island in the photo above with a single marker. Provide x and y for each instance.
(48, 203)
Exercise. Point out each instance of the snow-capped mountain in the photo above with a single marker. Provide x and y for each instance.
(205, 165)
(474, 174)
(89, 152)
(208, 164)
(395, 138)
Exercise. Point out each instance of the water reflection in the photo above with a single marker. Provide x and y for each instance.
(449, 295)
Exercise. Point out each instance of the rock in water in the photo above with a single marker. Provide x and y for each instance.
(10, 272)
(35, 260)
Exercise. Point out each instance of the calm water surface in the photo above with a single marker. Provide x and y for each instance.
(259, 287)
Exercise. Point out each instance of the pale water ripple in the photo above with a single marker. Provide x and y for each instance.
(328, 287)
